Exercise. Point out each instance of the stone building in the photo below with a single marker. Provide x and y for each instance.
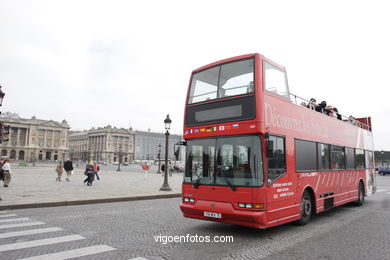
(146, 145)
(104, 144)
(35, 139)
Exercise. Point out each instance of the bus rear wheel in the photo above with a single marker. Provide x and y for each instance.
(360, 199)
(306, 209)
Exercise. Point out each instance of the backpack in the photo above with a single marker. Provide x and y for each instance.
(88, 169)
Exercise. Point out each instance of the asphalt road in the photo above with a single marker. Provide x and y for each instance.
(128, 230)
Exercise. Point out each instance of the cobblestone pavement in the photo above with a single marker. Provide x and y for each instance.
(34, 185)
(127, 230)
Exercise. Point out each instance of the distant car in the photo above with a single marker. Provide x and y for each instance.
(115, 163)
(125, 164)
(383, 171)
(178, 168)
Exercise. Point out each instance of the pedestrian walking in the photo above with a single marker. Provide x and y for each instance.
(145, 168)
(1, 169)
(89, 172)
(170, 169)
(59, 171)
(96, 168)
(7, 172)
(68, 166)
(163, 169)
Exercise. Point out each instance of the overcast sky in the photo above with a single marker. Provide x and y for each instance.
(128, 63)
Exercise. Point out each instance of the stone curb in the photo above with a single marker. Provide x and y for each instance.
(83, 202)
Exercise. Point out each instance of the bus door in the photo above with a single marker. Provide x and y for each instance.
(281, 186)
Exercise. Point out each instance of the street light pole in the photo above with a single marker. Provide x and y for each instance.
(165, 186)
(158, 156)
(382, 157)
(119, 159)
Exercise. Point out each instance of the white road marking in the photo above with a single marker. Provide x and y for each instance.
(29, 232)
(138, 258)
(13, 219)
(1, 212)
(73, 253)
(21, 225)
(7, 215)
(39, 242)
(388, 192)
(380, 190)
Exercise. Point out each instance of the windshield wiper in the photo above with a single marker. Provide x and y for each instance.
(228, 182)
(200, 176)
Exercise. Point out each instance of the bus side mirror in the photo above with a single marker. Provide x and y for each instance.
(176, 148)
(177, 153)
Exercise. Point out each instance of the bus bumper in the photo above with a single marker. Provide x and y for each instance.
(228, 214)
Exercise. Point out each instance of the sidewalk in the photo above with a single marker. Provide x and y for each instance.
(37, 187)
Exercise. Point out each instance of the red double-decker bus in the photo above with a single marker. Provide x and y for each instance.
(256, 158)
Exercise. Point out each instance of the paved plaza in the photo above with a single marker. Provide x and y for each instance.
(34, 186)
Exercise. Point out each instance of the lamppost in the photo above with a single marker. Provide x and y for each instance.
(119, 160)
(165, 186)
(158, 156)
(34, 157)
(2, 94)
(382, 157)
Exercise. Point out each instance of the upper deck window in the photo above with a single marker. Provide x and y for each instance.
(230, 79)
(275, 80)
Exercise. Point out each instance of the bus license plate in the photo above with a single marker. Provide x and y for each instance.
(212, 215)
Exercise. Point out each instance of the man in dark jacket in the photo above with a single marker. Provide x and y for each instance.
(321, 107)
(68, 166)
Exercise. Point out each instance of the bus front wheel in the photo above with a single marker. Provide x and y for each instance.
(306, 209)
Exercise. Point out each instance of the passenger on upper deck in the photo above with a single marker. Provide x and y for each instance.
(352, 120)
(330, 112)
(303, 104)
(337, 113)
(321, 107)
(312, 105)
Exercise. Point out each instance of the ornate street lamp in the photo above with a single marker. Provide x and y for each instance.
(165, 186)
(119, 159)
(158, 156)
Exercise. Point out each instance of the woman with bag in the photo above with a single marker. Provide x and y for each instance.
(89, 172)
(7, 172)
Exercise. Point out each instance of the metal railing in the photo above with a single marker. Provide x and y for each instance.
(297, 100)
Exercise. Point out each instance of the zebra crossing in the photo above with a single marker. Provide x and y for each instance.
(12, 221)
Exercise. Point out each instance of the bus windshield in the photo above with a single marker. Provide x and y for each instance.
(230, 79)
(225, 161)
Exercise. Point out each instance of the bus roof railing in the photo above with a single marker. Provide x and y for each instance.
(359, 122)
